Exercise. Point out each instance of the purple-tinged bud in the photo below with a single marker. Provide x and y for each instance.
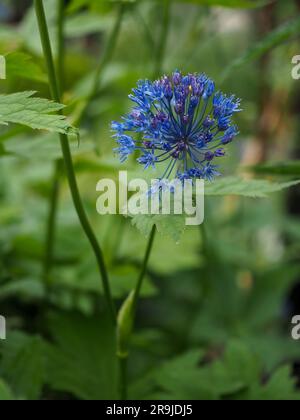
(148, 144)
(208, 122)
(219, 153)
(175, 154)
(177, 77)
(209, 156)
(179, 108)
(186, 119)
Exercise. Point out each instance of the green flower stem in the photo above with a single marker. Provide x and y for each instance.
(126, 319)
(137, 290)
(44, 34)
(123, 362)
(55, 184)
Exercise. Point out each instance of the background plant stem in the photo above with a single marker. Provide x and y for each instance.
(106, 57)
(44, 34)
(123, 362)
(163, 37)
(51, 222)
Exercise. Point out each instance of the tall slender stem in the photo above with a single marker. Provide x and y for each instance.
(44, 34)
(51, 222)
(55, 184)
(61, 45)
(137, 290)
(123, 358)
(123, 362)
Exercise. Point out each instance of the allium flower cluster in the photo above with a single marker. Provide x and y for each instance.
(180, 120)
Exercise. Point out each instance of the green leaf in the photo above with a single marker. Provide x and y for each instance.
(172, 225)
(122, 279)
(277, 37)
(236, 375)
(281, 387)
(291, 168)
(254, 188)
(22, 108)
(44, 146)
(27, 288)
(22, 364)
(83, 360)
(5, 392)
(19, 64)
(180, 378)
(86, 23)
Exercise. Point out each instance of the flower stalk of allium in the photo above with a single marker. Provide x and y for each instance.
(180, 120)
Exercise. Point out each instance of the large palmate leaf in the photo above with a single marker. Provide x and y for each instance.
(236, 375)
(280, 35)
(22, 108)
(83, 361)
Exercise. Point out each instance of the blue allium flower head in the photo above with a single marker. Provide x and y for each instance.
(180, 120)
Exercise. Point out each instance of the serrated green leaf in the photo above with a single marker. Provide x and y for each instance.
(277, 37)
(168, 225)
(236, 375)
(22, 108)
(281, 387)
(253, 188)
